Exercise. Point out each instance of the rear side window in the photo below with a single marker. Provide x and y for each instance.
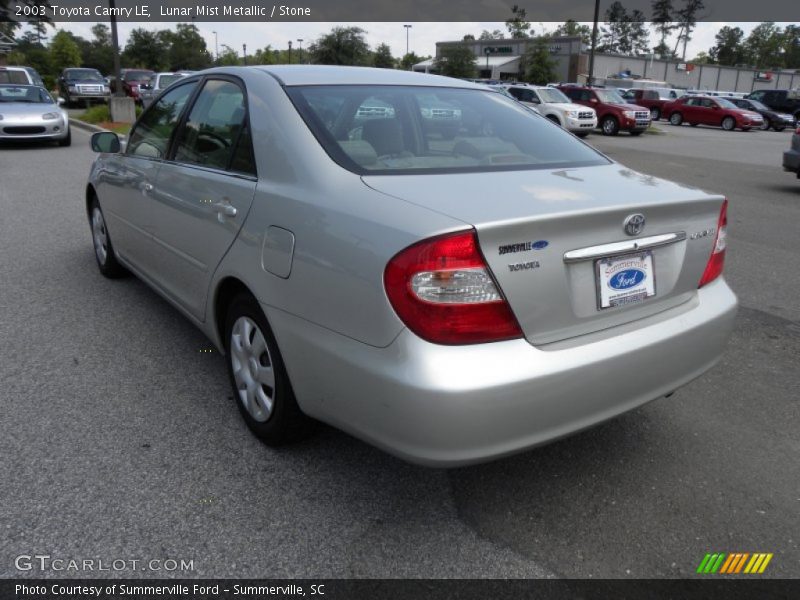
(215, 134)
(151, 136)
(412, 129)
(14, 76)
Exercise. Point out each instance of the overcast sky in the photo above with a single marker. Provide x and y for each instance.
(422, 36)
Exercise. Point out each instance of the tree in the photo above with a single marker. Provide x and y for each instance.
(791, 47)
(468, 38)
(7, 7)
(572, 28)
(456, 60)
(763, 45)
(491, 35)
(382, 58)
(64, 52)
(411, 59)
(687, 19)
(342, 46)
(728, 50)
(229, 57)
(98, 54)
(663, 23)
(266, 56)
(517, 25)
(538, 65)
(187, 48)
(615, 29)
(702, 58)
(146, 50)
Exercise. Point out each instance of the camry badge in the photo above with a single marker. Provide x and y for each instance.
(634, 224)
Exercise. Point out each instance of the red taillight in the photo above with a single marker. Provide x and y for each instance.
(442, 290)
(717, 259)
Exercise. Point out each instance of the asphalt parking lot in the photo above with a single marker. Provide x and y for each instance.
(120, 441)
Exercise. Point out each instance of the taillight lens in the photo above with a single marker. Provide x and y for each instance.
(443, 291)
(717, 259)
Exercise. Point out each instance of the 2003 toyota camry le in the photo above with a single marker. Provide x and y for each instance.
(417, 260)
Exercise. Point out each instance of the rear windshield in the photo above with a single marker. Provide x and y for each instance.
(137, 75)
(409, 129)
(167, 80)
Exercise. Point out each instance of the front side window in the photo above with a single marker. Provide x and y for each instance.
(152, 133)
(413, 129)
(212, 135)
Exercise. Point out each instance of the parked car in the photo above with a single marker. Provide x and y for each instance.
(82, 84)
(21, 75)
(28, 112)
(772, 118)
(653, 99)
(791, 158)
(711, 110)
(149, 91)
(501, 89)
(450, 301)
(614, 114)
(786, 101)
(132, 79)
(553, 104)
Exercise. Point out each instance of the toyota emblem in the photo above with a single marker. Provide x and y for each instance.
(634, 224)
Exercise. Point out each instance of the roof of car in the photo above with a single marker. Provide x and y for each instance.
(335, 75)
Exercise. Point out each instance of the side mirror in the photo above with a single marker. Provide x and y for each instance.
(593, 100)
(61, 100)
(105, 141)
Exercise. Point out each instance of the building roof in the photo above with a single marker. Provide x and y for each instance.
(480, 61)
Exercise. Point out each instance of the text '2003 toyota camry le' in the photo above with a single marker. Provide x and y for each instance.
(414, 259)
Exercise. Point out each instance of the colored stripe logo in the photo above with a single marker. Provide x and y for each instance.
(734, 563)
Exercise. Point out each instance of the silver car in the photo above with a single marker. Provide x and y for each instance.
(28, 112)
(450, 300)
(149, 91)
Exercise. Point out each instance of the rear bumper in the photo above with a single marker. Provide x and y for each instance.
(454, 405)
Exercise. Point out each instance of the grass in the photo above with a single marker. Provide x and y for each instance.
(653, 130)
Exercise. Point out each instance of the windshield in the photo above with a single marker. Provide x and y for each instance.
(609, 97)
(29, 94)
(725, 103)
(85, 74)
(552, 96)
(405, 129)
(755, 104)
(167, 80)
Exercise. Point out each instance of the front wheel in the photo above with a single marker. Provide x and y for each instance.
(103, 249)
(675, 118)
(610, 126)
(765, 124)
(258, 376)
(729, 123)
(67, 141)
(655, 114)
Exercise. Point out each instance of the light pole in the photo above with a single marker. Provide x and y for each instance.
(290, 51)
(244, 51)
(300, 50)
(216, 46)
(594, 42)
(115, 46)
(407, 28)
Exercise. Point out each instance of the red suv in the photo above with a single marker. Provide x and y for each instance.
(652, 98)
(613, 112)
(132, 79)
(709, 110)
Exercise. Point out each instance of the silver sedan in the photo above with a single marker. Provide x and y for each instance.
(28, 112)
(449, 296)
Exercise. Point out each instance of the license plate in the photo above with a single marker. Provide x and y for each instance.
(622, 280)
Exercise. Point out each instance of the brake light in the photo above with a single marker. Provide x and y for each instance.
(441, 288)
(717, 258)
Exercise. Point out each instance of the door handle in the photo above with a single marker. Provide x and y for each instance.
(225, 209)
(147, 187)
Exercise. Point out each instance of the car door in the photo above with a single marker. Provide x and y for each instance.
(126, 185)
(203, 192)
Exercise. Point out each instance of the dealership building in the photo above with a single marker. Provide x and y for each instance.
(502, 59)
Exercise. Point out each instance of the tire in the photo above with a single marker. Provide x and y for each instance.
(103, 249)
(694, 124)
(779, 128)
(655, 114)
(610, 126)
(676, 118)
(67, 141)
(746, 128)
(765, 125)
(728, 123)
(258, 376)
(554, 119)
(636, 133)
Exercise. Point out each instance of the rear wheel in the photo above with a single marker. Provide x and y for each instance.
(103, 249)
(676, 118)
(610, 126)
(729, 123)
(258, 376)
(779, 128)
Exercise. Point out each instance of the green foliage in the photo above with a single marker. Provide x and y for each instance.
(97, 114)
(662, 19)
(342, 46)
(491, 35)
(729, 49)
(64, 52)
(187, 48)
(382, 58)
(229, 57)
(456, 61)
(409, 60)
(572, 28)
(517, 25)
(624, 33)
(538, 66)
(763, 45)
(145, 50)
(687, 19)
